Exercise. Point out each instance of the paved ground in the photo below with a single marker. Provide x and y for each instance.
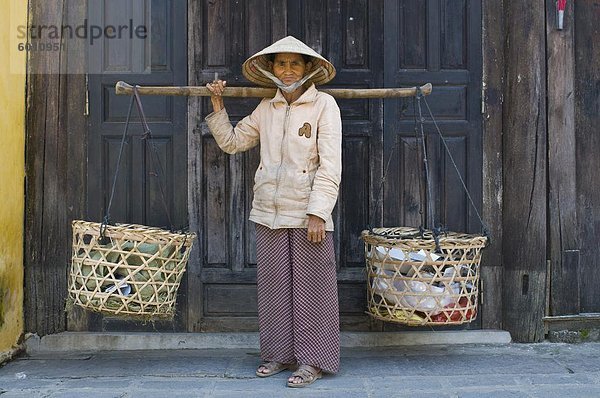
(513, 370)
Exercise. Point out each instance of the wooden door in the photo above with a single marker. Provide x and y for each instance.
(161, 60)
(372, 44)
(436, 41)
(349, 34)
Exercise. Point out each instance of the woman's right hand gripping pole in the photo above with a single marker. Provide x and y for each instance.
(216, 89)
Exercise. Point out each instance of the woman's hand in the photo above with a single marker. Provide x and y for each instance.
(316, 229)
(216, 89)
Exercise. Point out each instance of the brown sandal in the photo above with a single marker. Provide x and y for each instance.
(273, 368)
(307, 375)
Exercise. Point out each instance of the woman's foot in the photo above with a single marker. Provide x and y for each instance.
(271, 368)
(304, 376)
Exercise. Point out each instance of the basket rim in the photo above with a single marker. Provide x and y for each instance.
(93, 228)
(411, 234)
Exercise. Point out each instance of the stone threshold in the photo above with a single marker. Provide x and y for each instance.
(127, 341)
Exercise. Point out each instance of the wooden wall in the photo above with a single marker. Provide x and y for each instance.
(586, 92)
(493, 78)
(542, 116)
(524, 170)
(55, 166)
(540, 184)
(563, 266)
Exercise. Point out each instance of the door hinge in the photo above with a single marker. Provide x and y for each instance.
(86, 111)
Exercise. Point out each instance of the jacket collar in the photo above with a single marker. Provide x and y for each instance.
(308, 96)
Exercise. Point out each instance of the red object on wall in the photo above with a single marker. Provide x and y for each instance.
(560, 13)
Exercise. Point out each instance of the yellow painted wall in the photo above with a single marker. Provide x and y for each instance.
(12, 173)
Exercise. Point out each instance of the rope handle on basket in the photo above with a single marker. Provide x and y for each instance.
(154, 159)
(436, 231)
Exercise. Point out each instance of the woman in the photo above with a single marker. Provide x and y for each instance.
(295, 190)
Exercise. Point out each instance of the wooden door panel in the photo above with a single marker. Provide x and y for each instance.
(444, 30)
(160, 60)
(411, 36)
(438, 41)
(355, 201)
(454, 34)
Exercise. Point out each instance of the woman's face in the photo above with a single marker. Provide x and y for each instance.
(290, 67)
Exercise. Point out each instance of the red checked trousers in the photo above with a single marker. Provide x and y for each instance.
(297, 298)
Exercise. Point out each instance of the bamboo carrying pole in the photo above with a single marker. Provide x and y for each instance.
(122, 88)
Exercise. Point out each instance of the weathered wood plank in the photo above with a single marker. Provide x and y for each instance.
(252, 159)
(455, 207)
(278, 24)
(524, 171)
(336, 57)
(493, 74)
(195, 168)
(433, 35)
(491, 296)
(231, 300)
(565, 284)
(217, 38)
(412, 41)
(454, 28)
(356, 45)
(196, 188)
(229, 324)
(239, 167)
(573, 322)
(47, 243)
(214, 210)
(412, 182)
(314, 25)
(524, 311)
(77, 318)
(248, 275)
(355, 199)
(587, 120)
(235, 210)
(472, 94)
(562, 194)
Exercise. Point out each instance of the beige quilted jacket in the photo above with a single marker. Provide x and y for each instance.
(300, 156)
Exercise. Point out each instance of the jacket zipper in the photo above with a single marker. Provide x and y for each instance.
(285, 128)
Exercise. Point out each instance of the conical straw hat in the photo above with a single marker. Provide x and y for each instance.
(288, 44)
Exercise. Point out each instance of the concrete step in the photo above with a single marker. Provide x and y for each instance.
(120, 341)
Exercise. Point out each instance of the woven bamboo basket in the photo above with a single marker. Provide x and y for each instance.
(134, 272)
(412, 284)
